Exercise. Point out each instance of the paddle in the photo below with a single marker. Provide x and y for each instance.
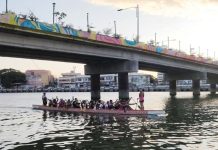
(137, 103)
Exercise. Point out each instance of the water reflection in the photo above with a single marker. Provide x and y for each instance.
(91, 132)
(191, 124)
(188, 110)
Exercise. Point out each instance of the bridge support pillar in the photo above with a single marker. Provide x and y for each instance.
(213, 89)
(196, 87)
(123, 81)
(172, 88)
(95, 87)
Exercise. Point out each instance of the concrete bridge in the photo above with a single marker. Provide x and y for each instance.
(103, 58)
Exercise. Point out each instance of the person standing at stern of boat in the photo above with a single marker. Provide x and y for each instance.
(141, 99)
(44, 99)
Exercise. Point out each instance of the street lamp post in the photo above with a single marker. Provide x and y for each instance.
(199, 50)
(155, 39)
(207, 53)
(137, 16)
(87, 19)
(179, 45)
(191, 49)
(88, 25)
(54, 12)
(6, 6)
(115, 28)
(168, 41)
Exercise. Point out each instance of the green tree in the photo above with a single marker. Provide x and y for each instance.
(11, 77)
(107, 31)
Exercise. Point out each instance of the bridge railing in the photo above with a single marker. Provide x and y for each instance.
(13, 19)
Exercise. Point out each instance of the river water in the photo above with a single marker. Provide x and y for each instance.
(190, 124)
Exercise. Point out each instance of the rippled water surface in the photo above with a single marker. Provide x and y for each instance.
(190, 124)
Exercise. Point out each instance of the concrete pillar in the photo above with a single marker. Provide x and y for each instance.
(212, 89)
(95, 87)
(196, 87)
(123, 86)
(172, 88)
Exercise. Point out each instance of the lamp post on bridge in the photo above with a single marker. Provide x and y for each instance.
(199, 50)
(6, 5)
(168, 42)
(115, 28)
(207, 53)
(155, 39)
(137, 16)
(87, 20)
(179, 45)
(54, 12)
(191, 49)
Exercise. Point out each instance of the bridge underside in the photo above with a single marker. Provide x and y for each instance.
(161, 68)
(17, 52)
(6, 51)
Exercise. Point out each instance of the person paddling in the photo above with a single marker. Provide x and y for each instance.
(44, 99)
(141, 99)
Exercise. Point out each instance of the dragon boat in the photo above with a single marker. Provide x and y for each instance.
(102, 111)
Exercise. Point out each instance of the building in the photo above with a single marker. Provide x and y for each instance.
(76, 80)
(161, 79)
(73, 80)
(139, 80)
(189, 82)
(38, 78)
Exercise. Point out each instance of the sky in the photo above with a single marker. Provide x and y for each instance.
(192, 22)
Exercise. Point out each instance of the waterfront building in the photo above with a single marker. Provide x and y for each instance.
(189, 82)
(161, 79)
(73, 80)
(76, 80)
(139, 80)
(38, 78)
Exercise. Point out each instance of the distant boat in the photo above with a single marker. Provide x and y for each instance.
(103, 111)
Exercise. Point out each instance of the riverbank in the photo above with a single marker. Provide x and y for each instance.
(156, 88)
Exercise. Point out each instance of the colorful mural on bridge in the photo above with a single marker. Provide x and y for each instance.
(13, 19)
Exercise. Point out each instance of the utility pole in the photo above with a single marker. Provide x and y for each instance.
(190, 49)
(87, 19)
(199, 50)
(179, 45)
(6, 6)
(137, 17)
(155, 39)
(207, 53)
(115, 28)
(54, 12)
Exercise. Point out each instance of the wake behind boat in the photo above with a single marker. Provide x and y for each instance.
(102, 111)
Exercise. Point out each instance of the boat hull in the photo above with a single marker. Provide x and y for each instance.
(101, 111)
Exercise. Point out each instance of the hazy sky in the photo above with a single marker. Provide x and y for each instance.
(190, 21)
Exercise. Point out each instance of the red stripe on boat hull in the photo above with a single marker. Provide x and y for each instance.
(101, 111)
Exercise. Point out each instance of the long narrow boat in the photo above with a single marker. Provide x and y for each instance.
(102, 111)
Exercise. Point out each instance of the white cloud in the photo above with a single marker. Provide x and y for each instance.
(171, 8)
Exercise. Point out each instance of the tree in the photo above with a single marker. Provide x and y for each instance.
(11, 77)
(32, 16)
(107, 31)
